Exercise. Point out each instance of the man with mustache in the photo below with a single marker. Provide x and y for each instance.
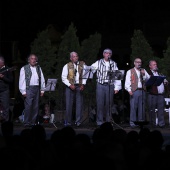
(156, 97)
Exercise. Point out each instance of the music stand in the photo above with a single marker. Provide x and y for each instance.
(112, 76)
(155, 81)
(50, 86)
(87, 73)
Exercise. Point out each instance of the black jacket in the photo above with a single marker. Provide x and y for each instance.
(6, 80)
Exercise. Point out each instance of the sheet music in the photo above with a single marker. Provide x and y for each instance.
(155, 80)
(51, 84)
(87, 73)
(115, 75)
(119, 75)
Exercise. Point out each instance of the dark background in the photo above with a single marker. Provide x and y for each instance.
(21, 21)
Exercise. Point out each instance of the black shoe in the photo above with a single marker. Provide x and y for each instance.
(28, 125)
(163, 126)
(78, 124)
(67, 124)
(134, 126)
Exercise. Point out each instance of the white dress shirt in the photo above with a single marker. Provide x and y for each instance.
(33, 81)
(161, 86)
(128, 79)
(65, 74)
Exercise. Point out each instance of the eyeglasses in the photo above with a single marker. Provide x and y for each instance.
(138, 62)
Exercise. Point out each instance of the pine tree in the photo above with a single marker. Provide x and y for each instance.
(165, 66)
(89, 50)
(140, 48)
(46, 53)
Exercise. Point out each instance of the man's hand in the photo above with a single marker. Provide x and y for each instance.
(116, 91)
(72, 87)
(142, 72)
(1, 75)
(130, 93)
(24, 95)
(81, 87)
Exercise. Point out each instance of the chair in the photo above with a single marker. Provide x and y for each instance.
(167, 100)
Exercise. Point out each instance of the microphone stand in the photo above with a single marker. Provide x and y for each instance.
(39, 75)
(141, 77)
(110, 114)
(141, 123)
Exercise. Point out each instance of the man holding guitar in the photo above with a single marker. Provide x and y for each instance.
(6, 78)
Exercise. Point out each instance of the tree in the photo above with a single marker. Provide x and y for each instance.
(165, 68)
(141, 48)
(47, 60)
(89, 50)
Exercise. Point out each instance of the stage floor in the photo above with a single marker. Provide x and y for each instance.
(89, 127)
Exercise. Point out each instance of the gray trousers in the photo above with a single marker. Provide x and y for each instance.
(5, 100)
(104, 98)
(70, 96)
(156, 102)
(137, 106)
(31, 105)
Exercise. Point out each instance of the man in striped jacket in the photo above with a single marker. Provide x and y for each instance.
(106, 86)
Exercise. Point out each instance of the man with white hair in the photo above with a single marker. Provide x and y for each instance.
(106, 86)
(72, 77)
(31, 86)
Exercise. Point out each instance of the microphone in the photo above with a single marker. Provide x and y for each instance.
(155, 69)
(75, 71)
(139, 67)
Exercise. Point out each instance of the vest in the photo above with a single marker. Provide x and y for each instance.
(28, 74)
(152, 89)
(72, 72)
(134, 80)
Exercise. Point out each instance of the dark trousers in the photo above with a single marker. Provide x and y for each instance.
(5, 100)
(156, 102)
